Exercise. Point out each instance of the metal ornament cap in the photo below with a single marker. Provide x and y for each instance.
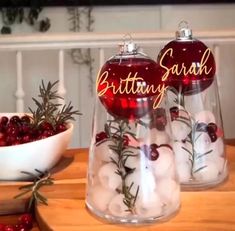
(184, 32)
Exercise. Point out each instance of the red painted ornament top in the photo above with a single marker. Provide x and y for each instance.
(129, 84)
(188, 64)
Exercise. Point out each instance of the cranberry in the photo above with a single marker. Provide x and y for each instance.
(151, 151)
(166, 145)
(14, 120)
(12, 130)
(21, 227)
(3, 142)
(100, 136)
(60, 128)
(213, 136)
(2, 227)
(46, 126)
(126, 140)
(25, 119)
(24, 128)
(26, 139)
(16, 142)
(4, 120)
(10, 140)
(48, 133)
(9, 228)
(174, 111)
(211, 127)
(26, 220)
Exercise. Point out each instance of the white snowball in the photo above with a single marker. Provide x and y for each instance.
(205, 117)
(221, 163)
(150, 206)
(181, 155)
(95, 165)
(207, 174)
(133, 161)
(202, 143)
(155, 136)
(104, 153)
(117, 206)
(144, 179)
(218, 147)
(184, 172)
(180, 130)
(162, 166)
(166, 188)
(184, 113)
(108, 176)
(101, 197)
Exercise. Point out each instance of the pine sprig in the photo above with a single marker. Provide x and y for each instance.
(34, 188)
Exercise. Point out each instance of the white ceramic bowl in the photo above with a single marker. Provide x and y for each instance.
(42, 155)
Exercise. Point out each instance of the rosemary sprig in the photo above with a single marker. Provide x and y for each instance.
(117, 130)
(193, 156)
(34, 188)
(48, 110)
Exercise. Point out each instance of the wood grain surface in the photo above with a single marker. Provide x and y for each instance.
(210, 210)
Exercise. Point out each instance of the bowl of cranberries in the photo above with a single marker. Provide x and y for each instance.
(26, 147)
(35, 141)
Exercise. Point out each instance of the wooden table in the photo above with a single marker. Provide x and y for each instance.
(211, 210)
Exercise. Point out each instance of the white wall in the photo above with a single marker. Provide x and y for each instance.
(125, 19)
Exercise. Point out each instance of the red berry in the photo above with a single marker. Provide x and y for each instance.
(25, 119)
(151, 151)
(10, 140)
(24, 128)
(125, 140)
(60, 128)
(48, 133)
(2, 227)
(4, 120)
(3, 123)
(14, 119)
(100, 136)
(26, 139)
(26, 220)
(213, 136)
(174, 111)
(21, 227)
(211, 127)
(46, 126)
(3, 142)
(12, 130)
(9, 228)
(165, 145)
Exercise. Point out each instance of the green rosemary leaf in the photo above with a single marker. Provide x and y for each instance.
(136, 194)
(183, 118)
(30, 174)
(41, 198)
(26, 186)
(191, 154)
(22, 194)
(204, 154)
(142, 123)
(197, 137)
(31, 203)
(199, 169)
